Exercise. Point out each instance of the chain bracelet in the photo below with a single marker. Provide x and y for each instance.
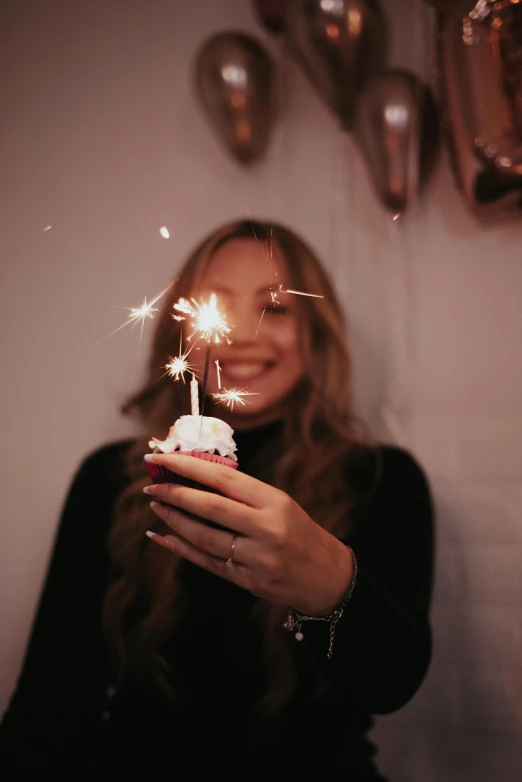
(295, 618)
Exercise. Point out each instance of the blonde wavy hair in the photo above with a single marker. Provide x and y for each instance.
(145, 601)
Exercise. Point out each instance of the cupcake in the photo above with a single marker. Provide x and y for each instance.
(194, 435)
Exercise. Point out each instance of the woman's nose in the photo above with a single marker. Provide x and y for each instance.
(245, 324)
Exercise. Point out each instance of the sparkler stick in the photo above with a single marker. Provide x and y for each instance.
(218, 371)
(205, 381)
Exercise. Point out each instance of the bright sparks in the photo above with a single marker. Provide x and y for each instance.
(139, 314)
(232, 397)
(145, 311)
(164, 231)
(179, 364)
(218, 372)
(207, 320)
(177, 367)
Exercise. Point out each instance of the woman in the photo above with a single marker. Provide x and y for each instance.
(200, 652)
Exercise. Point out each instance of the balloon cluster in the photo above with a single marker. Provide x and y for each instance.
(341, 47)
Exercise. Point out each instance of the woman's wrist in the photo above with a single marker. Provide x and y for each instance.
(333, 592)
(296, 619)
(342, 582)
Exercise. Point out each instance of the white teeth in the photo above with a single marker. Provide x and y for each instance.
(243, 370)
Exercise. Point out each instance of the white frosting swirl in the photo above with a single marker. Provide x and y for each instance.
(198, 433)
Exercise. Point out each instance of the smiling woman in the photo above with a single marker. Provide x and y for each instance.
(158, 654)
(265, 354)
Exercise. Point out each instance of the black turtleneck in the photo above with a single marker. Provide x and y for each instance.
(66, 717)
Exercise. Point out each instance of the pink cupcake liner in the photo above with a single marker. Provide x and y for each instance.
(161, 474)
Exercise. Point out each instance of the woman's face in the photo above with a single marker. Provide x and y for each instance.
(264, 356)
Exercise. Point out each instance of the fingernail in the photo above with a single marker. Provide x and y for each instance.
(167, 542)
(148, 457)
(155, 504)
(146, 490)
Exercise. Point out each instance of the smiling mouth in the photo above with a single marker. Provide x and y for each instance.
(245, 370)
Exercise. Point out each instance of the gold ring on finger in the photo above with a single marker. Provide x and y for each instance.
(230, 560)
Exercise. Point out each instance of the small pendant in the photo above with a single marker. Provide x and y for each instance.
(299, 636)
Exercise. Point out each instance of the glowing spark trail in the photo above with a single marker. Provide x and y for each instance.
(261, 318)
(302, 293)
(275, 289)
(218, 370)
(232, 397)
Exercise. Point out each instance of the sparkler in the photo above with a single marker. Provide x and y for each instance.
(207, 320)
(209, 323)
(232, 397)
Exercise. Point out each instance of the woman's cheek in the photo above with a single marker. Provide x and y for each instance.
(287, 336)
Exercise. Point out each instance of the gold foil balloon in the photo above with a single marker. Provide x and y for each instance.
(339, 44)
(235, 83)
(481, 73)
(396, 130)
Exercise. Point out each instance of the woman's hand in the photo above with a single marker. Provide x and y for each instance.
(278, 552)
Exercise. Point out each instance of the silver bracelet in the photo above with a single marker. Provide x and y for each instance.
(295, 618)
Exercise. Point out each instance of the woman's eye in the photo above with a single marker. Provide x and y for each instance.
(276, 309)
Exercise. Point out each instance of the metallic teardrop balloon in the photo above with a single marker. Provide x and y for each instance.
(339, 44)
(481, 72)
(235, 83)
(395, 113)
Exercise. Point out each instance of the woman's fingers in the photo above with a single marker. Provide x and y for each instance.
(213, 507)
(214, 542)
(234, 572)
(222, 479)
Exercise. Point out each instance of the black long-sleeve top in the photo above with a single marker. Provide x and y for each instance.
(65, 716)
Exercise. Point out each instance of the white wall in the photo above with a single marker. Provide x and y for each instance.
(102, 139)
